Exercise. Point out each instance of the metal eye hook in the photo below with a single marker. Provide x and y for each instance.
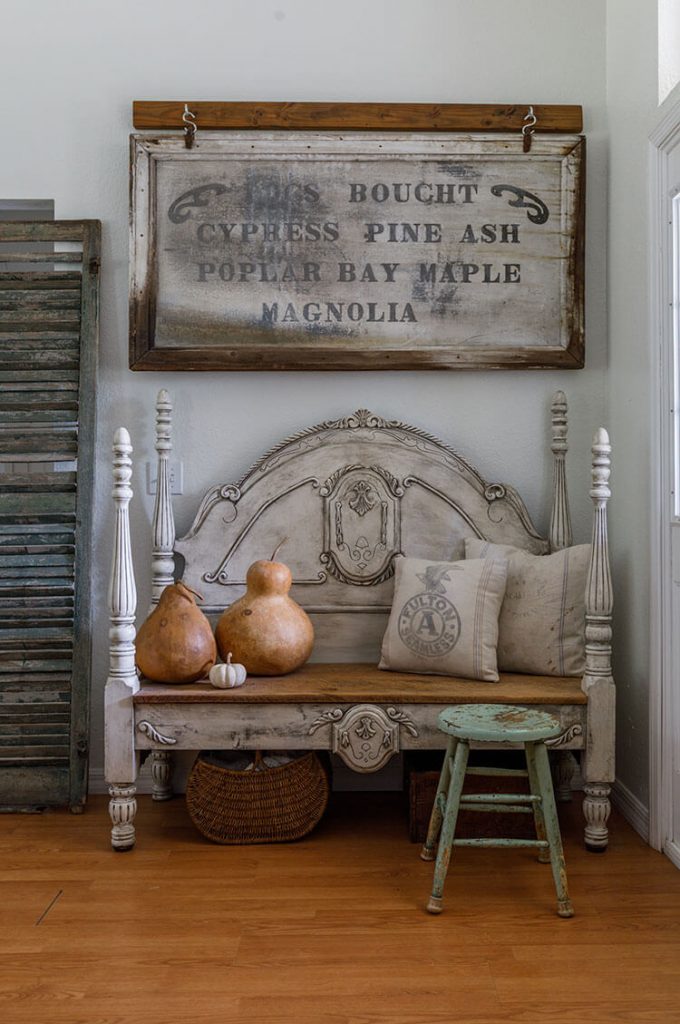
(528, 128)
(189, 119)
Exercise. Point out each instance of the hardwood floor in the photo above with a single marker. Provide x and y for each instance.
(331, 930)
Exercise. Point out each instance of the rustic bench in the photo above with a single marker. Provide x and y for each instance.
(423, 500)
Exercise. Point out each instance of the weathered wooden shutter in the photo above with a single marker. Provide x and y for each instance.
(48, 346)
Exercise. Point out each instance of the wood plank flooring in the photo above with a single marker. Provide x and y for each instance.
(331, 930)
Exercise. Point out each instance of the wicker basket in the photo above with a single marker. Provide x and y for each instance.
(263, 805)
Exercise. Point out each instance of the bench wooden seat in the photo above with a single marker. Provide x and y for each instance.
(349, 683)
(418, 498)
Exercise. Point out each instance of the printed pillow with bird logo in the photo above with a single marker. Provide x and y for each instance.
(444, 618)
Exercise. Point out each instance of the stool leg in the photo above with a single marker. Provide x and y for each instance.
(534, 786)
(552, 827)
(441, 867)
(434, 828)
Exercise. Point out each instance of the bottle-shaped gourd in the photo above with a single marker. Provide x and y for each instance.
(176, 644)
(266, 630)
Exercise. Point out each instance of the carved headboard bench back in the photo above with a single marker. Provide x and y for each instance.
(345, 498)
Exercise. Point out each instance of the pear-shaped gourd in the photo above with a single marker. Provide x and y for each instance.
(176, 644)
(265, 630)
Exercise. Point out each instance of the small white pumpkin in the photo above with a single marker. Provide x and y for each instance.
(226, 676)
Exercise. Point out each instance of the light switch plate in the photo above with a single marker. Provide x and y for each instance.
(176, 477)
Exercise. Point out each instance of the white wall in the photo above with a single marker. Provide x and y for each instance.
(632, 77)
(73, 69)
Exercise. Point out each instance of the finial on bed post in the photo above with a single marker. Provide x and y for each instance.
(122, 590)
(560, 519)
(163, 522)
(598, 681)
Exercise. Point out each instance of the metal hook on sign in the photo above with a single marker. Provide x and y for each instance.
(530, 120)
(189, 119)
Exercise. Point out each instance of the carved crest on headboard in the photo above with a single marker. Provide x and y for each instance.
(361, 524)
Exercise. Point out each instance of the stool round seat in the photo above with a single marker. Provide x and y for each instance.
(498, 723)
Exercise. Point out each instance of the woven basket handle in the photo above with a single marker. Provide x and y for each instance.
(259, 760)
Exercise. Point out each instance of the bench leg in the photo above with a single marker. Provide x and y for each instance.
(596, 810)
(448, 831)
(161, 773)
(122, 808)
(434, 828)
(563, 774)
(539, 754)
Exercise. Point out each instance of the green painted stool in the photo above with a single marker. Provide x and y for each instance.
(496, 723)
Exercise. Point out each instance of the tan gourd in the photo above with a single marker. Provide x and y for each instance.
(266, 630)
(175, 644)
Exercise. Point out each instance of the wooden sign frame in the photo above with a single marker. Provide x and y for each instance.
(536, 318)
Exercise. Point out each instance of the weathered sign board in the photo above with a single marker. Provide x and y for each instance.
(307, 251)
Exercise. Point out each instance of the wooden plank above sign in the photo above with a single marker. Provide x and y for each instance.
(359, 251)
(395, 117)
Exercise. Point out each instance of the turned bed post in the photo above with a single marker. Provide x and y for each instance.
(560, 537)
(598, 682)
(121, 759)
(560, 518)
(162, 560)
(163, 522)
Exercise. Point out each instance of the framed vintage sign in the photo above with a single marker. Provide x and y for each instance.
(294, 250)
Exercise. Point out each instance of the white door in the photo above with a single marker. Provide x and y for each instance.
(665, 292)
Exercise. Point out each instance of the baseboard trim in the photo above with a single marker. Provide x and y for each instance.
(672, 851)
(632, 808)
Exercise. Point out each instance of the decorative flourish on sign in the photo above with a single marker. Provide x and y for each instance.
(181, 209)
(152, 732)
(538, 212)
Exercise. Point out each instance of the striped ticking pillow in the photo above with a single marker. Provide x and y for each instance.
(541, 629)
(444, 618)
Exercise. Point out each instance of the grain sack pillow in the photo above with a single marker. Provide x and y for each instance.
(541, 629)
(444, 618)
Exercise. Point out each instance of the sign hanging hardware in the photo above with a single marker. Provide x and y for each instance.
(527, 129)
(190, 128)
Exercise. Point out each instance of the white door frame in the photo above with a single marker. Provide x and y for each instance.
(664, 704)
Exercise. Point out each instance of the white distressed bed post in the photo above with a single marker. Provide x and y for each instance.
(121, 759)
(163, 522)
(598, 682)
(560, 537)
(162, 560)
